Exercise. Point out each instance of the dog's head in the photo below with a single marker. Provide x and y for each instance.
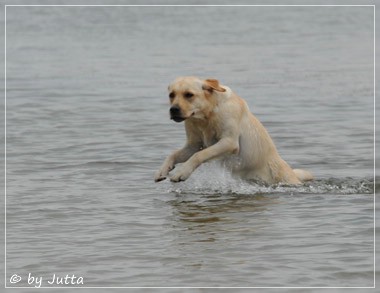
(192, 97)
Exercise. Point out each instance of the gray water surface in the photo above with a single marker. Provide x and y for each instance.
(88, 125)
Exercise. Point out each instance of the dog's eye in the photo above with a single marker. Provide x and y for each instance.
(171, 95)
(188, 95)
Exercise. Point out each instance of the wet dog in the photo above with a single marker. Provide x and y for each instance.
(219, 124)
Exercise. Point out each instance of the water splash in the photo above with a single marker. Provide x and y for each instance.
(211, 179)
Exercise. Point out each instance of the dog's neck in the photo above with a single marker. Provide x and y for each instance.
(227, 93)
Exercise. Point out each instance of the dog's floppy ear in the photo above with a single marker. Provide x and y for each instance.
(212, 84)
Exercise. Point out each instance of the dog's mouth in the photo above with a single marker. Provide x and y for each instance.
(180, 118)
(177, 118)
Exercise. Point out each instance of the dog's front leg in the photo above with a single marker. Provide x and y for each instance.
(224, 146)
(176, 157)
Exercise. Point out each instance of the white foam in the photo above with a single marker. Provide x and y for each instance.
(211, 178)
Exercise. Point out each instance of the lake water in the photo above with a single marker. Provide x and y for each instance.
(88, 125)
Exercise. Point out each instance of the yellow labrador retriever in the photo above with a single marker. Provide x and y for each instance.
(219, 124)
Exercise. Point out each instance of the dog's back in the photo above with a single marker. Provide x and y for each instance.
(257, 157)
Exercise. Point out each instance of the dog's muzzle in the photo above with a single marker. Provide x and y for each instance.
(175, 114)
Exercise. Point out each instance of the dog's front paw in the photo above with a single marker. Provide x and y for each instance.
(177, 178)
(181, 175)
(159, 177)
(163, 172)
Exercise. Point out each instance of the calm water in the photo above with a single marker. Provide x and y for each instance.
(88, 125)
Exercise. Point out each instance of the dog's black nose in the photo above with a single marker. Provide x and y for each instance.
(175, 114)
(175, 110)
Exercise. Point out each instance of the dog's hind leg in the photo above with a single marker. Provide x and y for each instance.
(303, 175)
